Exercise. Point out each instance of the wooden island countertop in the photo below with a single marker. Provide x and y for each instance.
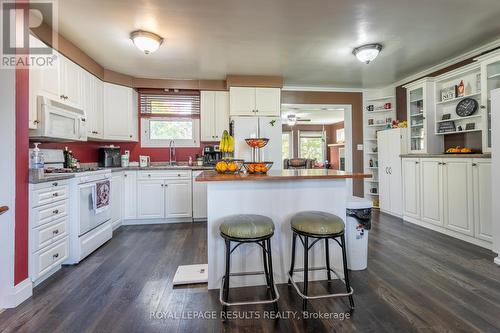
(273, 175)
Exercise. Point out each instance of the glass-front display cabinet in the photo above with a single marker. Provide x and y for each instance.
(490, 80)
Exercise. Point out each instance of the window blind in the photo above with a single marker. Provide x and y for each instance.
(170, 104)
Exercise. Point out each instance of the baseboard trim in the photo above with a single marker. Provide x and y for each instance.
(157, 221)
(19, 293)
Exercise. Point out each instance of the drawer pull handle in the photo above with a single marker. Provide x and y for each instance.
(55, 255)
(55, 194)
(55, 211)
(55, 232)
(54, 184)
(149, 175)
(178, 175)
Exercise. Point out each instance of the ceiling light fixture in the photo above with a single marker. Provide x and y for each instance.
(291, 119)
(367, 53)
(146, 41)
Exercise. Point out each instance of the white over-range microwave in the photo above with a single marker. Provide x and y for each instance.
(59, 121)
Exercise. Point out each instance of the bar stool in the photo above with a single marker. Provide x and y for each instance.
(242, 229)
(318, 225)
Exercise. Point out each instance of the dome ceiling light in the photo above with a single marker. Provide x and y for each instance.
(146, 41)
(367, 53)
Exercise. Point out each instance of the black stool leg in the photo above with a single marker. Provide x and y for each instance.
(306, 273)
(294, 240)
(346, 272)
(264, 258)
(225, 293)
(327, 256)
(271, 275)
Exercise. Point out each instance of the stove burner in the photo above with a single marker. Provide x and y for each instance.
(67, 170)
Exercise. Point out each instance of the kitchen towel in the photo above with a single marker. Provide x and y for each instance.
(100, 196)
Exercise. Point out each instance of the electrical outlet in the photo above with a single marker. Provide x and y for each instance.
(360, 147)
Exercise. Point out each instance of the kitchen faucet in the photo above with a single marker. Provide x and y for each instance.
(171, 147)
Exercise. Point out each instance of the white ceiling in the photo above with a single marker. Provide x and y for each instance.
(309, 42)
(316, 113)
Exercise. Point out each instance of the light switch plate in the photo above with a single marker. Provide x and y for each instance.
(360, 147)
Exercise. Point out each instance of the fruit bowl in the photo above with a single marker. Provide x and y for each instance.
(257, 167)
(257, 143)
(228, 166)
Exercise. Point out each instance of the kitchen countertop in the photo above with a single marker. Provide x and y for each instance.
(446, 155)
(273, 175)
(63, 176)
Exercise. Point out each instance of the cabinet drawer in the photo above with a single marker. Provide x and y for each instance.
(50, 194)
(48, 213)
(49, 234)
(45, 260)
(170, 174)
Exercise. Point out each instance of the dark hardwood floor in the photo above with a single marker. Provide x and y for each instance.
(417, 280)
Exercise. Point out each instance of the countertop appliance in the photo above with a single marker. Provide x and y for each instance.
(211, 155)
(109, 157)
(258, 127)
(59, 121)
(144, 161)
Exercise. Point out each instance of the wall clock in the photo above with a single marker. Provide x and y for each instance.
(467, 107)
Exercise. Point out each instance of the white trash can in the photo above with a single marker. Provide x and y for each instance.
(358, 222)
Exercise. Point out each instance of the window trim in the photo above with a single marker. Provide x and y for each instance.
(323, 150)
(146, 142)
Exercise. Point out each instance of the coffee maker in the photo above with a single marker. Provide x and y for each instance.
(211, 155)
(109, 157)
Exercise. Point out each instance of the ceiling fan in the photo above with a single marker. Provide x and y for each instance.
(292, 119)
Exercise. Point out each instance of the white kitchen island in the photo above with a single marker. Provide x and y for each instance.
(278, 195)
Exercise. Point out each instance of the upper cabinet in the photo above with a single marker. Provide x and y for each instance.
(71, 87)
(214, 114)
(120, 113)
(249, 101)
(420, 109)
(93, 105)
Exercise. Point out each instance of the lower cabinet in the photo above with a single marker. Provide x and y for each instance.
(150, 199)
(129, 195)
(451, 195)
(116, 199)
(178, 200)
(199, 198)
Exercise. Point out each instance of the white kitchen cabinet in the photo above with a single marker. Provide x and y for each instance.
(120, 113)
(411, 187)
(214, 114)
(482, 179)
(458, 196)
(178, 199)
(71, 78)
(129, 195)
(431, 185)
(150, 199)
(92, 105)
(391, 144)
(249, 101)
(116, 199)
(199, 198)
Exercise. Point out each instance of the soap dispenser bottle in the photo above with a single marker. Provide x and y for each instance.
(37, 157)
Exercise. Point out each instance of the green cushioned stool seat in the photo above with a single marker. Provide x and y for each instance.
(317, 223)
(247, 226)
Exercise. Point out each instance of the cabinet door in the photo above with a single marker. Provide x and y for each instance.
(431, 191)
(268, 101)
(457, 195)
(221, 113)
(88, 103)
(384, 156)
(482, 199)
(199, 198)
(116, 197)
(71, 82)
(133, 112)
(411, 187)
(130, 195)
(178, 199)
(98, 108)
(207, 116)
(242, 101)
(150, 199)
(117, 103)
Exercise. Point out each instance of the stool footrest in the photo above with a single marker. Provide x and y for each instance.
(274, 300)
(319, 296)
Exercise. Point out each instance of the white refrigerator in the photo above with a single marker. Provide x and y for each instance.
(258, 127)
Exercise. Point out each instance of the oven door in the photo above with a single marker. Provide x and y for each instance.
(88, 218)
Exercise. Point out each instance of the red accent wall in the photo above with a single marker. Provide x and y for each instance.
(22, 144)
